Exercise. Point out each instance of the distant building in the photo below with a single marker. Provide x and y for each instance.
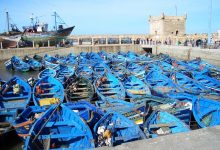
(219, 35)
(167, 25)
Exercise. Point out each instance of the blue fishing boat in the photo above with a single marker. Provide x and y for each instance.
(26, 119)
(113, 129)
(163, 123)
(181, 96)
(165, 67)
(118, 58)
(51, 59)
(16, 93)
(203, 64)
(35, 65)
(85, 71)
(208, 82)
(19, 65)
(187, 84)
(132, 56)
(90, 114)
(7, 116)
(50, 62)
(104, 55)
(160, 84)
(137, 70)
(2, 82)
(122, 53)
(71, 60)
(99, 69)
(119, 71)
(134, 87)
(153, 67)
(78, 88)
(47, 91)
(179, 108)
(206, 112)
(58, 128)
(133, 111)
(138, 114)
(114, 105)
(64, 72)
(108, 86)
(94, 57)
(83, 54)
(47, 72)
(185, 67)
(8, 64)
(38, 58)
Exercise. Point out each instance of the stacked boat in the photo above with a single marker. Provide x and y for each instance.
(105, 99)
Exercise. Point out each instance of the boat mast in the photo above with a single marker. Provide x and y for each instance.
(55, 16)
(7, 18)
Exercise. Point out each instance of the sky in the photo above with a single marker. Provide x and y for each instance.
(111, 16)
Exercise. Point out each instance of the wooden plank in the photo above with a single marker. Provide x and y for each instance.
(162, 125)
(138, 92)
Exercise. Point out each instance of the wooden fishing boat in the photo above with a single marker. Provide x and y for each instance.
(2, 82)
(113, 129)
(208, 82)
(114, 105)
(122, 53)
(26, 119)
(137, 70)
(163, 123)
(118, 58)
(99, 69)
(199, 63)
(134, 87)
(206, 112)
(179, 108)
(90, 113)
(78, 88)
(7, 116)
(108, 86)
(181, 96)
(85, 71)
(132, 56)
(119, 71)
(50, 62)
(38, 58)
(34, 65)
(94, 57)
(58, 128)
(47, 72)
(160, 84)
(187, 84)
(104, 55)
(71, 60)
(133, 111)
(64, 72)
(16, 93)
(47, 91)
(19, 65)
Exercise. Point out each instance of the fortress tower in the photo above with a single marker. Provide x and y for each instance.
(167, 25)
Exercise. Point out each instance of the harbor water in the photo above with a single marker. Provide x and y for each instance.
(8, 74)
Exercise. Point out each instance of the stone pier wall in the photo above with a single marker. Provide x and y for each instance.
(180, 52)
(188, 53)
(8, 53)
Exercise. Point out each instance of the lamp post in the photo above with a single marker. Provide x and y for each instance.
(210, 23)
(176, 9)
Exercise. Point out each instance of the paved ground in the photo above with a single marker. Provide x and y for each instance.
(202, 139)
